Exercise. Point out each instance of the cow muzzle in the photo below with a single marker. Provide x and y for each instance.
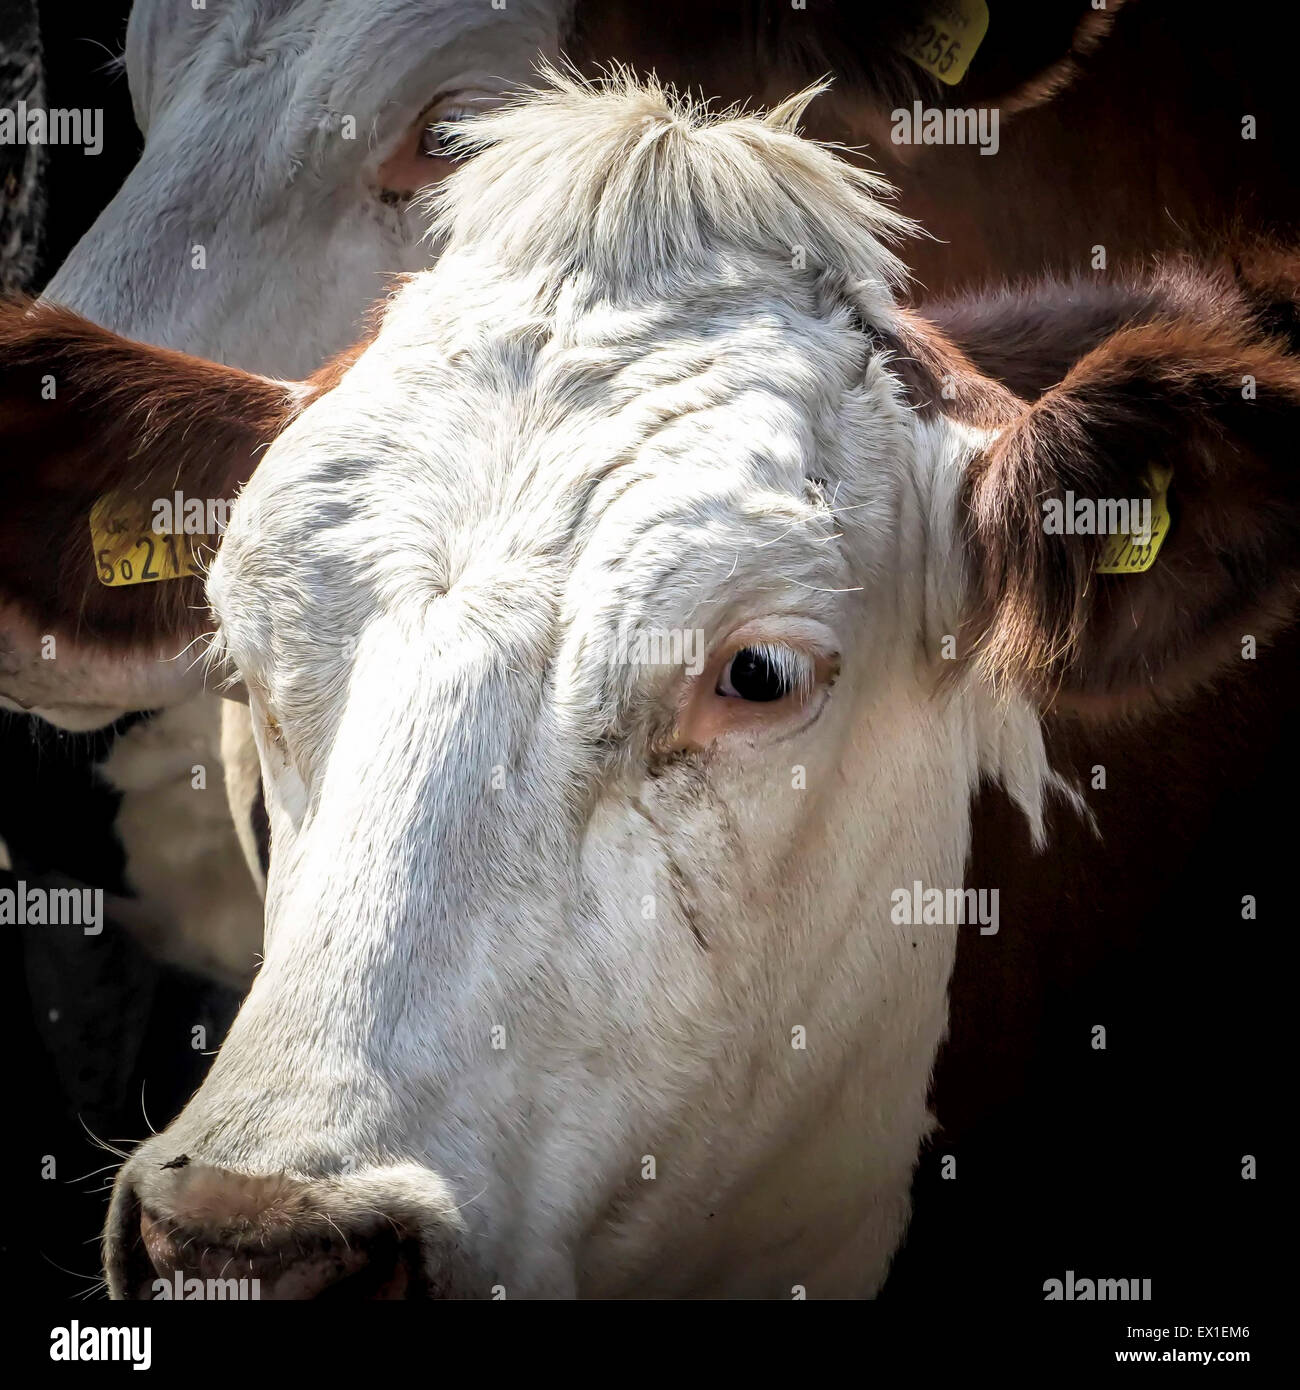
(180, 1229)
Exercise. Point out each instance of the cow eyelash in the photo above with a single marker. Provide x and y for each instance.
(433, 140)
(766, 672)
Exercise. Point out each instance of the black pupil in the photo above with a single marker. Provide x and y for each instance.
(754, 677)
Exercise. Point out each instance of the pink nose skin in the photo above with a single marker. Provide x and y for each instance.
(230, 1236)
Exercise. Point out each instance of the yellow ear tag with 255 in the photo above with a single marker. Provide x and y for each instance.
(1121, 554)
(127, 549)
(944, 42)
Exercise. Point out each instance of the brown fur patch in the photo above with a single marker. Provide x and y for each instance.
(1165, 391)
(938, 377)
(1029, 335)
(125, 417)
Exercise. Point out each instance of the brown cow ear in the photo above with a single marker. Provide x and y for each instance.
(887, 56)
(1210, 403)
(95, 427)
(1032, 51)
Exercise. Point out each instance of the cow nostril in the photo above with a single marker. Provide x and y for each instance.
(393, 1270)
(187, 1262)
(207, 1233)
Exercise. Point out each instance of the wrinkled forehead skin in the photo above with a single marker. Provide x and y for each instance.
(254, 229)
(538, 465)
(563, 447)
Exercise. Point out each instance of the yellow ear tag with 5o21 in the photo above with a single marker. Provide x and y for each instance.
(126, 548)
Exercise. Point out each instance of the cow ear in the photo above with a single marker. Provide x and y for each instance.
(1203, 405)
(1013, 56)
(95, 431)
(1026, 59)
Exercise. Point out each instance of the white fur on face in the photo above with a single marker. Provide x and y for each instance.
(265, 122)
(252, 232)
(644, 1013)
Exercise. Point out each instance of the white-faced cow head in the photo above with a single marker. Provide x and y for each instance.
(595, 625)
(283, 141)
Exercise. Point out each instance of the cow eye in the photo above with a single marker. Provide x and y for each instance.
(771, 677)
(434, 141)
(765, 672)
(426, 155)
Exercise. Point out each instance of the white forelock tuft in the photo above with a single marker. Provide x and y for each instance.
(640, 186)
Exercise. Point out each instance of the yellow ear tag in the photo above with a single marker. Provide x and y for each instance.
(126, 548)
(1120, 554)
(946, 39)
